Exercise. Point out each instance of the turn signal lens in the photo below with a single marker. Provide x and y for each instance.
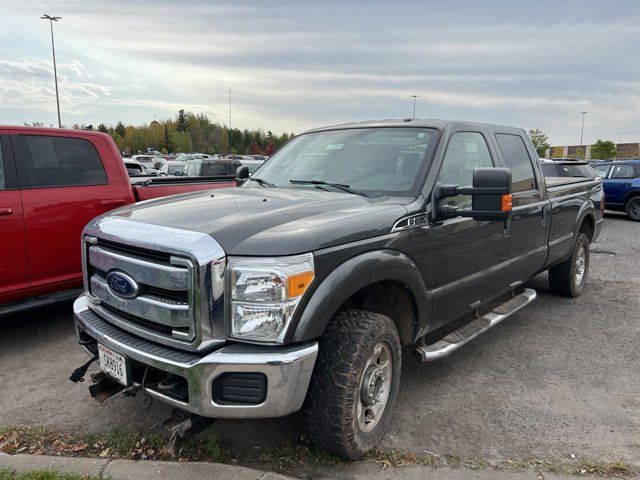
(297, 284)
(507, 202)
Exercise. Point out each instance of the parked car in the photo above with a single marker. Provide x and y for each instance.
(252, 164)
(211, 167)
(52, 182)
(173, 167)
(298, 289)
(152, 161)
(621, 185)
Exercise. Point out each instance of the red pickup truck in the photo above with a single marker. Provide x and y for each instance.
(52, 182)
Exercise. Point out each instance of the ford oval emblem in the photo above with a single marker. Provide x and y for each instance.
(122, 285)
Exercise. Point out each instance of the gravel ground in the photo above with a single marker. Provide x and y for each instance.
(560, 377)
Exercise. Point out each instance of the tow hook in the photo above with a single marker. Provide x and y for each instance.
(78, 374)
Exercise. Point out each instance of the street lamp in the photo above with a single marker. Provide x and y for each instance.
(581, 134)
(53, 48)
(414, 103)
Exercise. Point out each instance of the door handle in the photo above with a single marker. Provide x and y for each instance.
(5, 212)
(112, 202)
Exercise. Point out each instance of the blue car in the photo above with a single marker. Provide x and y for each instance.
(621, 180)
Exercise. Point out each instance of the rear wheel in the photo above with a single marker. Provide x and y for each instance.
(569, 278)
(354, 384)
(633, 208)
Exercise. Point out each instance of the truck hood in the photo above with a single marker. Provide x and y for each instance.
(271, 221)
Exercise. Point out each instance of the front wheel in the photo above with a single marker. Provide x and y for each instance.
(569, 278)
(355, 383)
(633, 208)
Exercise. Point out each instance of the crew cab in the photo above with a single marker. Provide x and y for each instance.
(52, 182)
(622, 186)
(299, 289)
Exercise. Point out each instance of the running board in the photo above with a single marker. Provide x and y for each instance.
(466, 333)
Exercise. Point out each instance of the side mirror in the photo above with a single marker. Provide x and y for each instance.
(242, 173)
(490, 194)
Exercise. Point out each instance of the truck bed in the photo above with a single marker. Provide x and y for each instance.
(146, 188)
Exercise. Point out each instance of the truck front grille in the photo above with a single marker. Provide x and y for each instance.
(164, 308)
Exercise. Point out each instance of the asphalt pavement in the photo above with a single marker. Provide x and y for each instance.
(559, 379)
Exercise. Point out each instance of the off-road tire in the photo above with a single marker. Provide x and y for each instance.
(632, 208)
(330, 407)
(562, 277)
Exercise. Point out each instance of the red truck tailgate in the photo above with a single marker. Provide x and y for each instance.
(147, 192)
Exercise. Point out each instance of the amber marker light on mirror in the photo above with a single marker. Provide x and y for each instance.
(507, 202)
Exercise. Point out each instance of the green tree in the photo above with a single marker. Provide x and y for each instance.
(540, 141)
(167, 143)
(557, 152)
(121, 129)
(102, 128)
(603, 150)
(182, 123)
(182, 141)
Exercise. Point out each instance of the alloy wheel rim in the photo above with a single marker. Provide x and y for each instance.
(581, 265)
(375, 386)
(634, 209)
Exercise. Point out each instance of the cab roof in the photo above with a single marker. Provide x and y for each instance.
(413, 122)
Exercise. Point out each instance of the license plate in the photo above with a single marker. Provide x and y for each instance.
(114, 364)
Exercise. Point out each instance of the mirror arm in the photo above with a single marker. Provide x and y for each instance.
(453, 190)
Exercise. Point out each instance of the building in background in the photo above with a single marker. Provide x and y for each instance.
(623, 151)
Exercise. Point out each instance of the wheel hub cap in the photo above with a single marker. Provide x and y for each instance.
(374, 388)
(581, 265)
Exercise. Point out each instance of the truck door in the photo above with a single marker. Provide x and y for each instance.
(14, 270)
(467, 256)
(529, 225)
(64, 184)
(619, 183)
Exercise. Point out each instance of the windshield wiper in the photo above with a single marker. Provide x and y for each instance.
(262, 182)
(339, 186)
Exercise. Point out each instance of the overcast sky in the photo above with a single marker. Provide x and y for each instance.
(299, 64)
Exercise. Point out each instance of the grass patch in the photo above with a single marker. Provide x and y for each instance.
(395, 458)
(294, 455)
(119, 443)
(41, 475)
(131, 444)
(619, 469)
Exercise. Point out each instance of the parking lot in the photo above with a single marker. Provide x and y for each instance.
(558, 378)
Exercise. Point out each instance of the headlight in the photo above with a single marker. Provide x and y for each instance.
(265, 293)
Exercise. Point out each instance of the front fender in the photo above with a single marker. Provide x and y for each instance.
(355, 274)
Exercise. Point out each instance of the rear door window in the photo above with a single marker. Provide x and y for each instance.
(623, 171)
(515, 156)
(47, 161)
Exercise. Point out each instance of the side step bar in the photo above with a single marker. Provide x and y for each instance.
(466, 333)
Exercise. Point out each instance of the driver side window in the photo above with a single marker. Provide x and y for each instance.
(466, 152)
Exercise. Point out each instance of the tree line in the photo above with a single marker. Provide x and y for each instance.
(188, 132)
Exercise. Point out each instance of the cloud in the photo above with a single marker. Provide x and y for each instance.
(293, 65)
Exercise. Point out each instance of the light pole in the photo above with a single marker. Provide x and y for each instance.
(414, 103)
(55, 72)
(581, 134)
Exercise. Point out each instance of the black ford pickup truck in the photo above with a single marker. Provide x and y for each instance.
(299, 289)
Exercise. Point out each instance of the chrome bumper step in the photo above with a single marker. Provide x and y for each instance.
(456, 339)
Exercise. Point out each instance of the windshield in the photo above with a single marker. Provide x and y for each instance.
(378, 161)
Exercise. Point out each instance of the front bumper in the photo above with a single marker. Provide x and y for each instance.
(287, 368)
